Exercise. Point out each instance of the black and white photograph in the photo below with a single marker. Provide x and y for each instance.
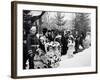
(56, 39)
(53, 39)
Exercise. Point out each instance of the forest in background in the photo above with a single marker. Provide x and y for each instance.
(58, 21)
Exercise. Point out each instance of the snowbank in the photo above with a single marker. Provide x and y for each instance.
(80, 59)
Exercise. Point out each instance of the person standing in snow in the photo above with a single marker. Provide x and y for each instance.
(32, 45)
(77, 38)
(71, 47)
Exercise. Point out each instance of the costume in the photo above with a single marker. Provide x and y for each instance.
(53, 54)
(71, 48)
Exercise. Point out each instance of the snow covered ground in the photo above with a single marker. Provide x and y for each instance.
(80, 59)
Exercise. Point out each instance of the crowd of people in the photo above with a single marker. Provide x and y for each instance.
(45, 50)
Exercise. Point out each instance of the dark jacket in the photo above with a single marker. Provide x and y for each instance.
(32, 41)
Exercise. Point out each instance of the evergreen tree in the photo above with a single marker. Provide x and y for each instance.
(81, 23)
(59, 21)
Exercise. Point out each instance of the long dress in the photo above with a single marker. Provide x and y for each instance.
(71, 48)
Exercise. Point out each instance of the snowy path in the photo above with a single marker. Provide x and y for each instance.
(80, 59)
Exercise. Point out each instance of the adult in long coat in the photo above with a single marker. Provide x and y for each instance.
(32, 45)
(64, 43)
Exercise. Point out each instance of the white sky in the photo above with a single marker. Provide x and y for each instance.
(68, 16)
